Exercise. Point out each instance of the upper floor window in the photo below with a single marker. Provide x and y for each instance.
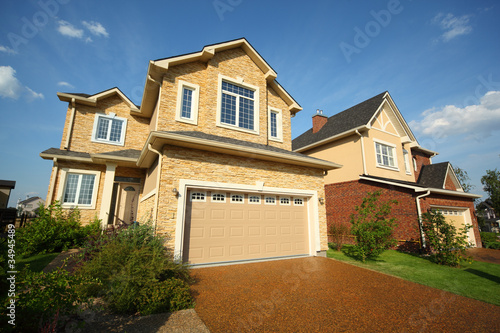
(238, 106)
(187, 102)
(386, 155)
(109, 129)
(406, 157)
(275, 125)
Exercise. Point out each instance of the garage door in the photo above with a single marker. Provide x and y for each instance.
(458, 217)
(226, 226)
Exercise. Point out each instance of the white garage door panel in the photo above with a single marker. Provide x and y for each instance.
(227, 231)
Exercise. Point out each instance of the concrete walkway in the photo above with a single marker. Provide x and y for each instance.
(323, 295)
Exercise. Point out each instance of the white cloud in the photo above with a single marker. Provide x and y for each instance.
(65, 84)
(67, 29)
(96, 28)
(7, 50)
(11, 87)
(477, 120)
(453, 26)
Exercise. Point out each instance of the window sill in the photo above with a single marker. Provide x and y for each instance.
(109, 142)
(387, 167)
(187, 121)
(276, 139)
(71, 206)
(236, 128)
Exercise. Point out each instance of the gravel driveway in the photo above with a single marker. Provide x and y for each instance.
(318, 294)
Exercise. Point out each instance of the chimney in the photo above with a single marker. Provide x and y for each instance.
(319, 120)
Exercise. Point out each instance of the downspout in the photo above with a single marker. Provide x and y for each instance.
(362, 152)
(419, 210)
(158, 175)
(70, 127)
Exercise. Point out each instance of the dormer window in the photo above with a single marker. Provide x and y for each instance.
(109, 129)
(238, 105)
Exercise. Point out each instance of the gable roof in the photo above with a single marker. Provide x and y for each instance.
(434, 175)
(158, 68)
(27, 201)
(8, 183)
(93, 99)
(345, 121)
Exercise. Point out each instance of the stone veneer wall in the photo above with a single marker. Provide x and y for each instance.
(183, 163)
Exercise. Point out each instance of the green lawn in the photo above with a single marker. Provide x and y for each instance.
(36, 262)
(478, 280)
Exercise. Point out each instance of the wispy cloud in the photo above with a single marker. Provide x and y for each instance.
(453, 26)
(96, 28)
(474, 120)
(11, 87)
(65, 84)
(7, 50)
(67, 29)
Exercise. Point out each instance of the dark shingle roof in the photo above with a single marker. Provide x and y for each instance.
(131, 153)
(8, 183)
(66, 153)
(433, 175)
(201, 135)
(346, 120)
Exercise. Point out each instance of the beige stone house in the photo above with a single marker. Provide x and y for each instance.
(206, 157)
(379, 152)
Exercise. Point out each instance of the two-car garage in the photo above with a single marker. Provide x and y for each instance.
(226, 226)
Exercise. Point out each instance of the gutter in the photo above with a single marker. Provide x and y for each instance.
(362, 151)
(158, 175)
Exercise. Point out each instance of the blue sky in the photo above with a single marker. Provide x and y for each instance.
(440, 61)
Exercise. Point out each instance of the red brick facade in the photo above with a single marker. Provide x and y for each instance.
(449, 185)
(342, 198)
(421, 160)
(319, 121)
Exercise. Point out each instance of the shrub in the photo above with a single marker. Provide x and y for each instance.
(54, 230)
(372, 228)
(446, 244)
(165, 296)
(338, 232)
(129, 264)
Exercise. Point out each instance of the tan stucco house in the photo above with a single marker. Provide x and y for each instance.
(378, 151)
(206, 157)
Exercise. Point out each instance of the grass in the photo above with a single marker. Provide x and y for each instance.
(37, 262)
(478, 280)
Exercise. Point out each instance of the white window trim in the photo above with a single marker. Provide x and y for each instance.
(279, 124)
(270, 203)
(394, 155)
(218, 201)
(255, 203)
(237, 202)
(198, 200)
(194, 105)
(256, 116)
(109, 116)
(62, 187)
(286, 204)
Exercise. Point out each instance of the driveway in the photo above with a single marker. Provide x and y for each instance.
(317, 294)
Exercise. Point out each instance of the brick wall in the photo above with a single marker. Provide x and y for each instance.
(422, 159)
(449, 185)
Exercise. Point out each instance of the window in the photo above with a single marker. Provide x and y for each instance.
(237, 198)
(254, 199)
(218, 197)
(415, 164)
(109, 129)
(79, 189)
(238, 105)
(386, 156)
(270, 200)
(187, 102)
(285, 201)
(407, 161)
(298, 202)
(275, 125)
(198, 196)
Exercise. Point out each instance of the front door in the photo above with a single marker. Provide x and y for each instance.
(126, 203)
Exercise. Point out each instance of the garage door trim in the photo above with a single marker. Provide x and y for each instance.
(187, 184)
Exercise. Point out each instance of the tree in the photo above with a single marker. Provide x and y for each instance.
(463, 179)
(491, 184)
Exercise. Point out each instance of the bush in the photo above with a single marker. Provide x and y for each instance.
(338, 232)
(54, 230)
(40, 297)
(129, 264)
(165, 296)
(446, 244)
(372, 228)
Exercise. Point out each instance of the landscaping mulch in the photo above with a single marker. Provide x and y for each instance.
(318, 294)
(486, 255)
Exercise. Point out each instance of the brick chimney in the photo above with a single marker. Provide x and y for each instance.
(319, 120)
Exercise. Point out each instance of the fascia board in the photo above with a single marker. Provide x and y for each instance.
(66, 158)
(332, 138)
(455, 193)
(158, 139)
(415, 188)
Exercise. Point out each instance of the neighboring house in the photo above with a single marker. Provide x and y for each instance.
(491, 220)
(378, 151)
(206, 156)
(29, 206)
(6, 186)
